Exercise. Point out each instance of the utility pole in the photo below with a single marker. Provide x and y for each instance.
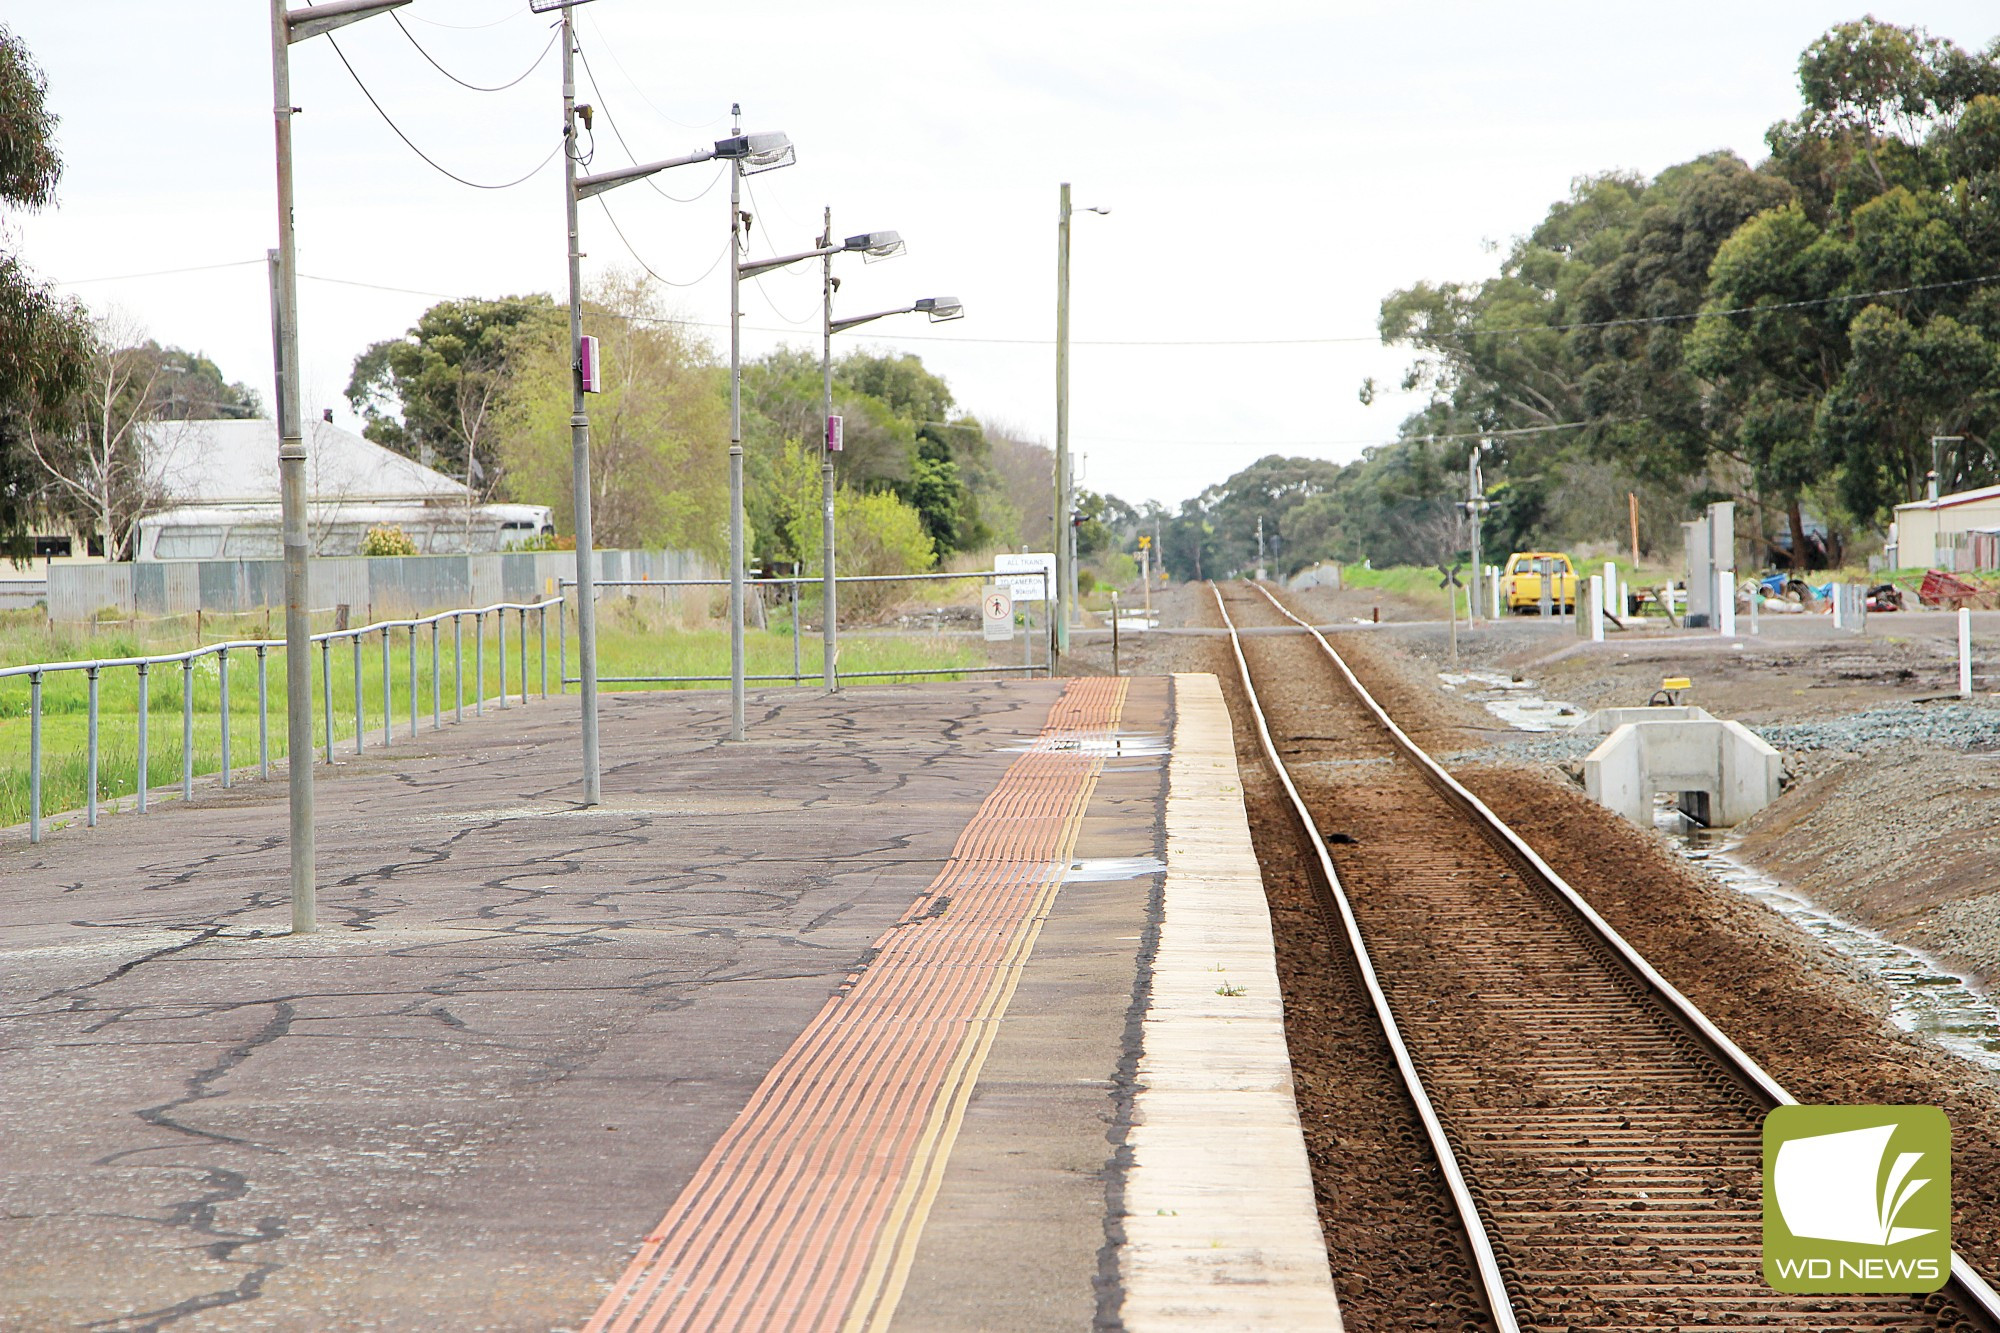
(1475, 507)
(288, 26)
(829, 636)
(1260, 548)
(735, 434)
(1062, 533)
(579, 436)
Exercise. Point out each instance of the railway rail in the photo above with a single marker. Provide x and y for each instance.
(1600, 1138)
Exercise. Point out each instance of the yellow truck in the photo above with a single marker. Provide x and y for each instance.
(1521, 585)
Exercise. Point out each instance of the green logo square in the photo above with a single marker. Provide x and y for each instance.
(1857, 1199)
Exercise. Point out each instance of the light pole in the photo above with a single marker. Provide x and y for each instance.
(873, 245)
(1065, 560)
(775, 152)
(736, 149)
(288, 26)
(1476, 505)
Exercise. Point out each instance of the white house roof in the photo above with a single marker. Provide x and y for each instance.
(236, 463)
(1955, 498)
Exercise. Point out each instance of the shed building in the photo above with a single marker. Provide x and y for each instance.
(220, 479)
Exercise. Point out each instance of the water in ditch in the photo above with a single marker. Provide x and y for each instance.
(1924, 996)
(1512, 700)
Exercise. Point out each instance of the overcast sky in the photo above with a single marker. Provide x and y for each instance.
(1273, 169)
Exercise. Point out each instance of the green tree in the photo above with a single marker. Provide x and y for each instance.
(442, 393)
(659, 431)
(45, 339)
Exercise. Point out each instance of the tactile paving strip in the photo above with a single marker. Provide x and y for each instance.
(806, 1212)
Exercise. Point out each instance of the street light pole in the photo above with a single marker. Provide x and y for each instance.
(579, 437)
(735, 435)
(288, 26)
(829, 637)
(1062, 606)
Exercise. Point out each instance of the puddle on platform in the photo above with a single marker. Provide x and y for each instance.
(1105, 869)
(1512, 701)
(1097, 744)
(1924, 997)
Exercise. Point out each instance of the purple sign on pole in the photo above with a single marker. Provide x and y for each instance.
(833, 434)
(589, 364)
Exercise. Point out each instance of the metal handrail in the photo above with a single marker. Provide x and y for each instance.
(794, 582)
(93, 669)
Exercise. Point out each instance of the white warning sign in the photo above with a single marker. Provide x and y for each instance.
(996, 608)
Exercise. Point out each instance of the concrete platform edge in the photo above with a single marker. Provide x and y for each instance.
(1220, 1228)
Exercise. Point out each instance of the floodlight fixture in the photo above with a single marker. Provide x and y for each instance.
(757, 152)
(874, 245)
(939, 308)
(870, 245)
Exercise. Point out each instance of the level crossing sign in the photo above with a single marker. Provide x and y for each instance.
(996, 608)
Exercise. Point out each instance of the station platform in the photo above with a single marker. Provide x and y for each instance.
(928, 1007)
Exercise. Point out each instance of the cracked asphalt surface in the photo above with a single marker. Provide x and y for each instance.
(462, 1103)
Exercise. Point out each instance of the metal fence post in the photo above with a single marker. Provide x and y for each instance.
(90, 753)
(264, 712)
(793, 586)
(145, 677)
(457, 668)
(388, 692)
(413, 680)
(360, 723)
(325, 689)
(500, 642)
(522, 612)
(542, 624)
(222, 673)
(479, 664)
(437, 681)
(34, 756)
(187, 729)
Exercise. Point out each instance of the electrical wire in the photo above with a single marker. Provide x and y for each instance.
(477, 88)
(434, 164)
(1350, 444)
(161, 272)
(648, 267)
(508, 17)
(611, 50)
(604, 109)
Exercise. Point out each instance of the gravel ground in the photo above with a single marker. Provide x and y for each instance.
(1810, 1016)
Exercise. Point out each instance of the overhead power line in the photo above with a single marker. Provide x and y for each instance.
(604, 109)
(160, 273)
(411, 145)
(632, 251)
(477, 88)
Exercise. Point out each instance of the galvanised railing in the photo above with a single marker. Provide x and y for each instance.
(792, 584)
(94, 670)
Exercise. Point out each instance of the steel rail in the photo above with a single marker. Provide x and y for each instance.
(1966, 1283)
(1494, 1287)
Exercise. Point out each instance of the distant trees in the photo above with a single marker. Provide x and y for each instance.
(659, 431)
(443, 393)
(1789, 335)
(44, 339)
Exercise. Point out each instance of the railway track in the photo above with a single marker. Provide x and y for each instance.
(1599, 1138)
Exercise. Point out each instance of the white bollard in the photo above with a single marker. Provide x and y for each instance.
(1493, 575)
(1611, 602)
(1597, 608)
(1964, 653)
(1835, 590)
(1725, 602)
(1756, 601)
